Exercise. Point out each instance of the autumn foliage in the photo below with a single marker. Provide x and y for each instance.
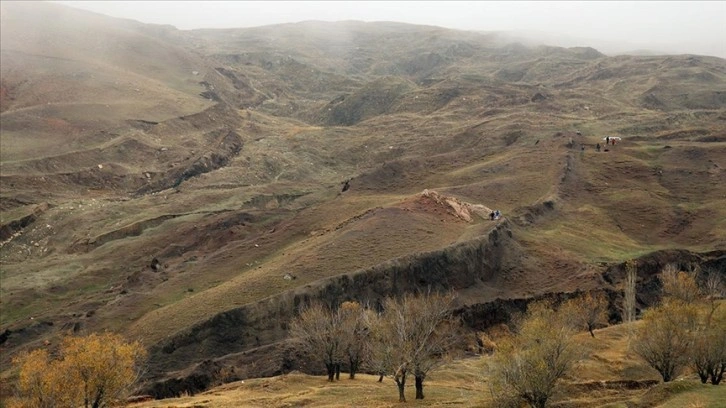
(91, 371)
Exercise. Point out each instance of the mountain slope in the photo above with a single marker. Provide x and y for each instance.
(224, 153)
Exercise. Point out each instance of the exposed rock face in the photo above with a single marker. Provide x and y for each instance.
(463, 210)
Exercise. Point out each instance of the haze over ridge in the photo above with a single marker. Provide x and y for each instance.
(676, 27)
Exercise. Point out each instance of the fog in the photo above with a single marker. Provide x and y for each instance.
(671, 27)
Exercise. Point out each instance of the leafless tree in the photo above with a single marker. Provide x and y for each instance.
(356, 335)
(415, 333)
(319, 333)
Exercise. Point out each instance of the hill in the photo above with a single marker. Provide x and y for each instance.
(223, 155)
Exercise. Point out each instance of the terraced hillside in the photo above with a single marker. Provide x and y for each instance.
(224, 155)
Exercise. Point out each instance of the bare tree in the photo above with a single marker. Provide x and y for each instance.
(527, 367)
(380, 358)
(586, 311)
(319, 332)
(416, 332)
(355, 335)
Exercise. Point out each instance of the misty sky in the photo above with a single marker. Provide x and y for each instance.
(663, 26)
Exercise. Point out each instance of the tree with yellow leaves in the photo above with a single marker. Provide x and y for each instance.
(90, 371)
(527, 367)
(687, 328)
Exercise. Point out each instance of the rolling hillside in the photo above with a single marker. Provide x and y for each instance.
(223, 155)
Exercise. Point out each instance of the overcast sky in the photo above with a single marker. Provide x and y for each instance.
(665, 26)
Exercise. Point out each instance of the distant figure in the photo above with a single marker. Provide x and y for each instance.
(497, 214)
(598, 147)
(535, 143)
(607, 140)
(346, 185)
(492, 215)
(582, 148)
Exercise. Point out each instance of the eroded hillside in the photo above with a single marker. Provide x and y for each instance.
(224, 155)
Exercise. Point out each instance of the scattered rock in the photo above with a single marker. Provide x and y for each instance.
(155, 265)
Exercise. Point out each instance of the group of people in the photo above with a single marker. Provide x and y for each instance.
(494, 215)
(608, 140)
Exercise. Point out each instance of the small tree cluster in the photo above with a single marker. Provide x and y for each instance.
(688, 328)
(410, 336)
(527, 366)
(91, 371)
